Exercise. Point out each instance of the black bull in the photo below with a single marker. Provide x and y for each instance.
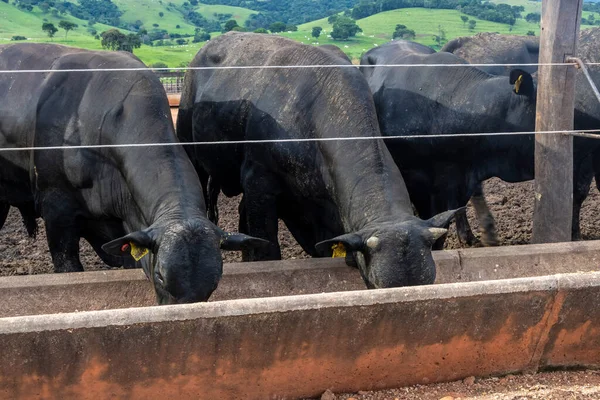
(499, 49)
(328, 192)
(146, 201)
(461, 164)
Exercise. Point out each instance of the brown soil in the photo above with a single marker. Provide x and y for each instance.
(544, 386)
(511, 204)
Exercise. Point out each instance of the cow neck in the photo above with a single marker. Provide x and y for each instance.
(367, 185)
(164, 190)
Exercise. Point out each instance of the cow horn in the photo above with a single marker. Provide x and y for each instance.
(373, 242)
(438, 232)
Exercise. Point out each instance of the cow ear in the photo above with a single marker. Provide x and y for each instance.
(135, 245)
(443, 220)
(239, 241)
(522, 81)
(341, 244)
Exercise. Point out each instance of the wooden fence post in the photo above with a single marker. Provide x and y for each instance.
(552, 218)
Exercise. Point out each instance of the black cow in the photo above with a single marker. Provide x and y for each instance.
(327, 192)
(443, 173)
(493, 48)
(143, 200)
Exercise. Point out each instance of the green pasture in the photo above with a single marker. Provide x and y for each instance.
(377, 29)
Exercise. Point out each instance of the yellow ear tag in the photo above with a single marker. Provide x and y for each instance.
(518, 83)
(138, 252)
(338, 250)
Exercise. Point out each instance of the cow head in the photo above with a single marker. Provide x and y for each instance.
(393, 254)
(182, 259)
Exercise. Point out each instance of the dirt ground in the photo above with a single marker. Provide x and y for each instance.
(543, 386)
(511, 204)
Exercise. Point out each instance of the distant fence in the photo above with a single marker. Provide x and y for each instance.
(172, 81)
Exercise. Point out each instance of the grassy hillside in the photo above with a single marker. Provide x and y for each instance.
(426, 23)
(238, 13)
(14, 21)
(148, 12)
(535, 6)
(377, 29)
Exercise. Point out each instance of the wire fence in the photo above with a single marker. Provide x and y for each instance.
(298, 66)
(172, 79)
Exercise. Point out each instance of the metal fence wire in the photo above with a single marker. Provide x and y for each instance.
(172, 80)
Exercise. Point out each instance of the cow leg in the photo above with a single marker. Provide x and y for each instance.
(4, 209)
(212, 194)
(463, 229)
(582, 179)
(438, 205)
(29, 217)
(580, 193)
(487, 225)
(62, 232)
(258, 218)
(203, 176)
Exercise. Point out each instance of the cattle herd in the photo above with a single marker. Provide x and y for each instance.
(308, 148)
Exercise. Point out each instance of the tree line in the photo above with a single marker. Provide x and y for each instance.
(286, 11)
(103, 11)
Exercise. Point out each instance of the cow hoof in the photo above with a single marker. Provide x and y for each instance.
(489, 241)
(477, 244)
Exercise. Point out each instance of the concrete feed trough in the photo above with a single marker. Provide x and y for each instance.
(301, 345)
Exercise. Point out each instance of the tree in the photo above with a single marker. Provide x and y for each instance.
(229, 25)
(277, 27)
(364, 9)
(49, 28)
(291, 28)
(402, 32)
(44, 6)
(161, 14)
(159, 64)
(67, 26)
(200, 36)
(114, 39)
(17, 37)
(464, 19)
(316, 31)
(440, 38)
(533, 18)
(472, 24)
(261, 30)
(194, 2)
(344, 27)
(530, 33)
